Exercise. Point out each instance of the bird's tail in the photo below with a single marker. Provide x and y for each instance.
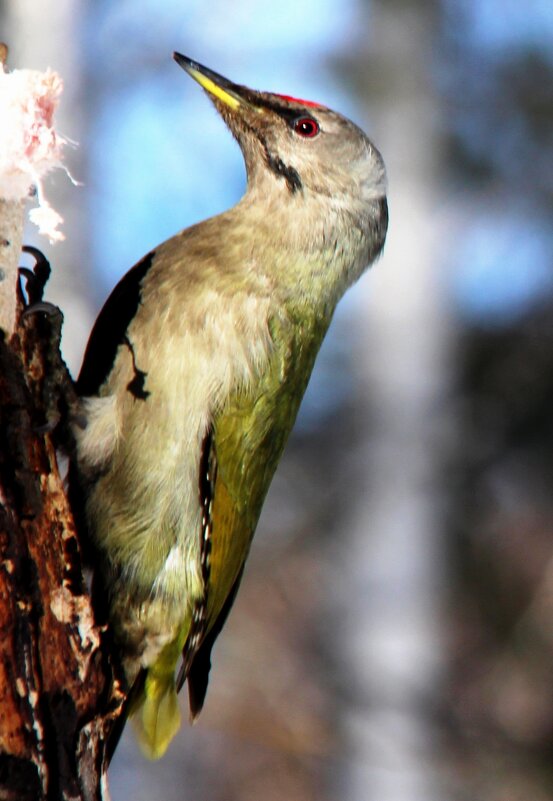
(155, 711)
(156, 716)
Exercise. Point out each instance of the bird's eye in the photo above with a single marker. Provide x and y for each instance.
(306, 127)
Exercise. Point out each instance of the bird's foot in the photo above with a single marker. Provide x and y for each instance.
(49, 379)
(35, 279)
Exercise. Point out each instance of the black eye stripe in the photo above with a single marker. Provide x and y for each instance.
(291, 115)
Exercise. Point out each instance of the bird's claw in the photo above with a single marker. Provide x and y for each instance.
(55, 393)
(42, 307)
(35, 279)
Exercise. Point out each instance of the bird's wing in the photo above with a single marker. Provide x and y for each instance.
(249, 435)
(110, 328)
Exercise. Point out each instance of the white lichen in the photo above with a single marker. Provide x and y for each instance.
(30, 147)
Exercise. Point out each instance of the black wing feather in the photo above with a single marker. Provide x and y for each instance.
(110, 329)
(198, 673)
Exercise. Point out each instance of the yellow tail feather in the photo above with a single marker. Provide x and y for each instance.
(157, 718)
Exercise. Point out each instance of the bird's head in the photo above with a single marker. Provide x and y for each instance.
(316, 183)
(299, 145)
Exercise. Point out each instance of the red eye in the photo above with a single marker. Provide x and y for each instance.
(307, 127)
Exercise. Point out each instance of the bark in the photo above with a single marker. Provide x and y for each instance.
(58, 702)
(11, 233)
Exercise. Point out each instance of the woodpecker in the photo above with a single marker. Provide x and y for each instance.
(192, 379)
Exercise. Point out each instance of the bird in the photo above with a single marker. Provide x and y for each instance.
(192, 379)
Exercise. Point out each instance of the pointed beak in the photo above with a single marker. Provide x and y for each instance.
(220, 88)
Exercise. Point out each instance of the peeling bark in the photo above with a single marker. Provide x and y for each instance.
(58, 700)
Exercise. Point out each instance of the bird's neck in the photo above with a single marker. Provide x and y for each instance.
(310, 247)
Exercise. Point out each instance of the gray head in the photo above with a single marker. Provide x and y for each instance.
(302, 154)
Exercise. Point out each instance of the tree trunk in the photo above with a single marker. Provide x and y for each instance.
(58, 702)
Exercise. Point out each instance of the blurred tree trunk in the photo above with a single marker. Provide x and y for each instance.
(396, 553)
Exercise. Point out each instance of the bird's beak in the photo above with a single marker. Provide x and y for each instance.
(229, 93)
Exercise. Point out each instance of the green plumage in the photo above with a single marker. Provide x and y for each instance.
(250, 433)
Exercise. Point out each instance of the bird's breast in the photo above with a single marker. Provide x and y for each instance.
(144, 508)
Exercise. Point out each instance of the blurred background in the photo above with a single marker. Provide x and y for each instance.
(393, 636)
